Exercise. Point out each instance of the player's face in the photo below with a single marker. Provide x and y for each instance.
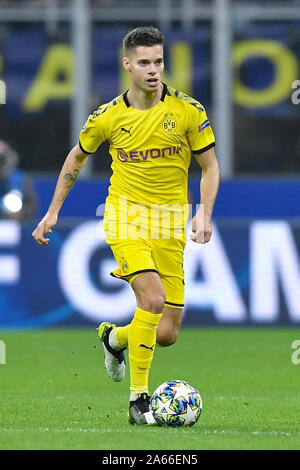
(146, 65)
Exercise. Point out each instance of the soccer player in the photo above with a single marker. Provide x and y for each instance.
(152, 129)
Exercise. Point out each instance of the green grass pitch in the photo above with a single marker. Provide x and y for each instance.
(55, 393)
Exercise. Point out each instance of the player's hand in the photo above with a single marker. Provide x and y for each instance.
(43, 228)
(201, 228)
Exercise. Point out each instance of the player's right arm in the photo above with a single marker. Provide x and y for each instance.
(95, 131)
(67, 177)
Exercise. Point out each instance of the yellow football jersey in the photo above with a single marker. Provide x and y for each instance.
(150, 149)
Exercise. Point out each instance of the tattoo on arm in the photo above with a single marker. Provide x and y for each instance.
(70, 178)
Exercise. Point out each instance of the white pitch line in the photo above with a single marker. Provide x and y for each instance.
(248, 398)
(190, 431)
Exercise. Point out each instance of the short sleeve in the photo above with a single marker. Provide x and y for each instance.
(93, 133)
(199, 132)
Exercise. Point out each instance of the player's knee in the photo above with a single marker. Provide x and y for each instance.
(156, 303)
(153, 301)
(150, 295)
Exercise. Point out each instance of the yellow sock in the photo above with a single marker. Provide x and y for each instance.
(141, 343)
(121, 336)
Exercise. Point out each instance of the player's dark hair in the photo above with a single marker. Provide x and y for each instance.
(142, 36)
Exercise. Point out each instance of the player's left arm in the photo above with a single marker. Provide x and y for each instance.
(201, 223)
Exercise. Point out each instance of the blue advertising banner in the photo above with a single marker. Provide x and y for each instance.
(38, 69)
(242, 198)
(248, 274)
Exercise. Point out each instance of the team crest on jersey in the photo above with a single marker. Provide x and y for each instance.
(169, 123)
(124, 265)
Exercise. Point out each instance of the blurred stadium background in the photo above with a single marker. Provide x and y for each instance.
(59, 60)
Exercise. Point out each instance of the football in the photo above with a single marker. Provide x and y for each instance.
(176, 403)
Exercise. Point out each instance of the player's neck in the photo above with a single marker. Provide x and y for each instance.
(142, 100)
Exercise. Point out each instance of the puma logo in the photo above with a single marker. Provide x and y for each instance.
(147, 347)
(126, 130)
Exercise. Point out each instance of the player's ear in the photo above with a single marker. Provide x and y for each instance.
(126, 64)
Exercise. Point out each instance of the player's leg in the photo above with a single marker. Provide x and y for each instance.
(134, 258)
(150, 297)
(138, 268)
(166, 334)
(149, 291)
(169, 326)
